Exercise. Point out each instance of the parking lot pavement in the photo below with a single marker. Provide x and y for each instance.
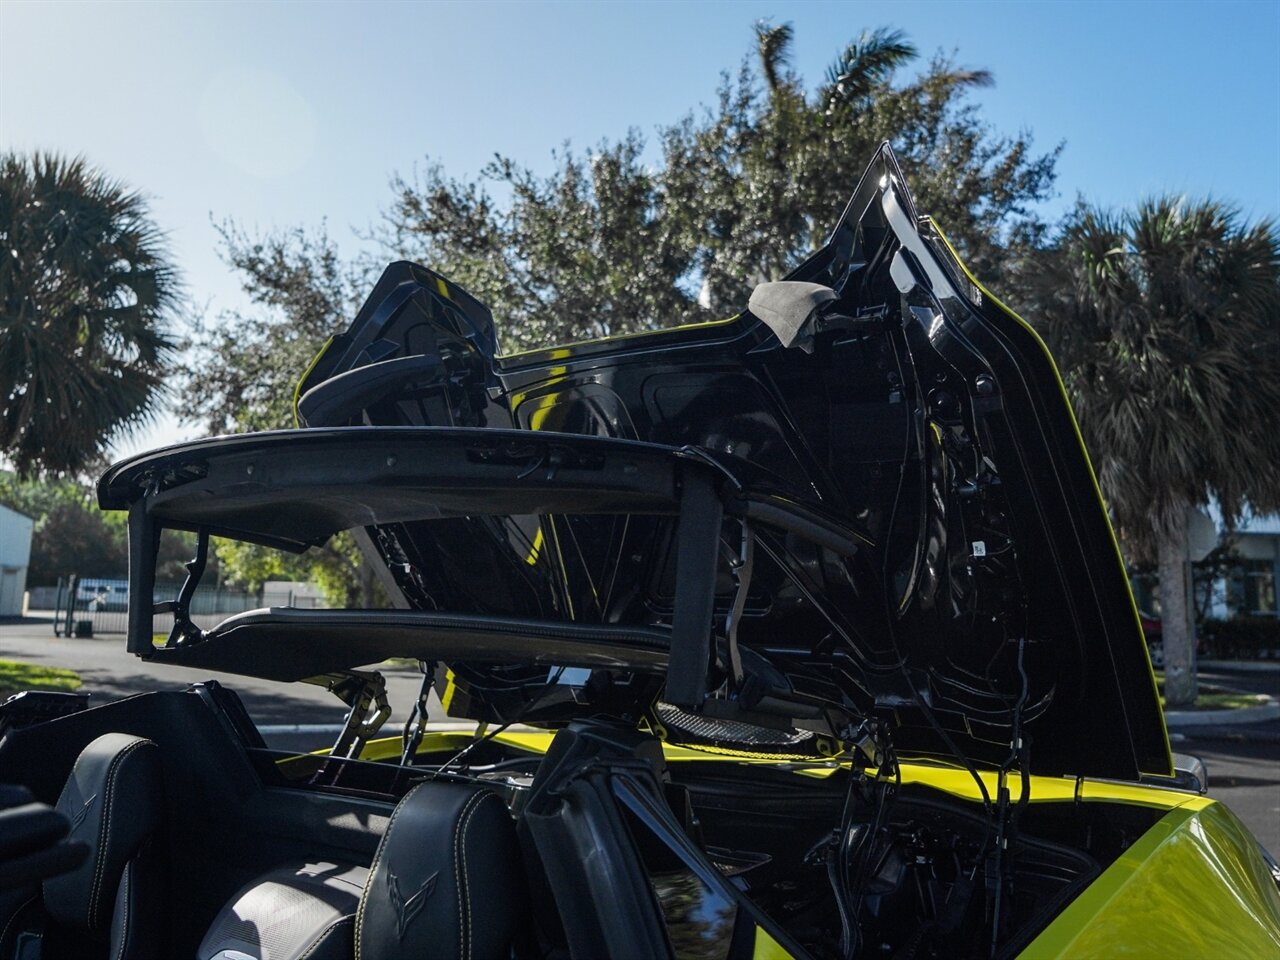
(1251, 681)
(110, 672)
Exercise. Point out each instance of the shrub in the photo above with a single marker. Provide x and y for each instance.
(1243, 638)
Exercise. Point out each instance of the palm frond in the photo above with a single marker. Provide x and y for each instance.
(774, 46)
(865, 64)
(1169, 337)
(86, 292)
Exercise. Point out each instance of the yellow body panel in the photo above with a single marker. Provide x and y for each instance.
(767, 948)
(1192, 886)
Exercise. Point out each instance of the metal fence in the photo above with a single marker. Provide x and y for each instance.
(87, 606)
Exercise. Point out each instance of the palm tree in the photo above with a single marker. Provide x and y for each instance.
(773, 44)
(867, 64)
(1166, 322)
(85, 293)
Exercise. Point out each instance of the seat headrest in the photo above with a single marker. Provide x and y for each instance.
(114, 800)
(447, 880)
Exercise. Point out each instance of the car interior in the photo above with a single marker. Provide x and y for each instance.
(207, 843)
(682, 561)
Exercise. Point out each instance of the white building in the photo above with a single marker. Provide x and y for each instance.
(15, 555)
(1247, 586)
(1250, 590)
(292, 593)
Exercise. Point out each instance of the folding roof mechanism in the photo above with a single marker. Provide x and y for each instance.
(294, 489)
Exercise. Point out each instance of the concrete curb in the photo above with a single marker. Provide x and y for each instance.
(1259, 733)
(277, 729)
(1178, 719)
(1241, 666)
(280, 729)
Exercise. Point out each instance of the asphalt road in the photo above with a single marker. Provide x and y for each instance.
(1243, 762)
(109, 672)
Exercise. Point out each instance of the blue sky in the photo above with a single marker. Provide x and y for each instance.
(278, 114)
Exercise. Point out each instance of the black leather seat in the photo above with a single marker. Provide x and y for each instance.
(447, 880)
(290, 913)
(106, 907)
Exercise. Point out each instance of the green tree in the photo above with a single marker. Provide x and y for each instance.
(337, 566)
(243, 370)
(242, 375)
(86, 290)
(612, 241)
(73, 536)
(1165, 321)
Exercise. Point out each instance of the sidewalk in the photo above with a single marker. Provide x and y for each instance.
(1262, 732)
(1237, 717)
(1240, 666)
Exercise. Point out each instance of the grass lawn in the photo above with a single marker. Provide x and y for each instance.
(1224, 701)
(1215, 698)
(16, 677)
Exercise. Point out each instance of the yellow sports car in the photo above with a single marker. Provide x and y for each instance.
(800, 634)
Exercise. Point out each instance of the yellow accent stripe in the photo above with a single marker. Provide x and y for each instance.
(449, 688)
(534, 550)
(297, 388)
(952, 780)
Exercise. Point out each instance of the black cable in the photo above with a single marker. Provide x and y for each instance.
(1016, 755)
(889, 615)
(838, 869)
(883, 795)
(547, 688)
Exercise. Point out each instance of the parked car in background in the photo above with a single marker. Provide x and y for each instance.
(95, 593)
(1153, 632)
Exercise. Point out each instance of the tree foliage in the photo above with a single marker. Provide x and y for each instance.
(337, 566)
(72, 536)
(614, 240)
(85, 293)
(1166, 323)
(241, 374)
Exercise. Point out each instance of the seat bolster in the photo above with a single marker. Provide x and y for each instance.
(135, 935)
(21, 912)
(114, 801)
(447, 881)
(304, 912)
(335, 943)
